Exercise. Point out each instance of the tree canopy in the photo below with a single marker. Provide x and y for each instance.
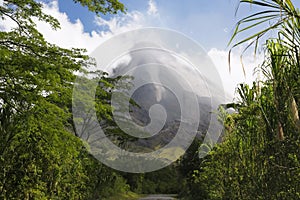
(40, 157)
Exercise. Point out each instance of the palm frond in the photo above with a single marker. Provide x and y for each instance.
(275, 14)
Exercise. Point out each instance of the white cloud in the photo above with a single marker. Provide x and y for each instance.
(236, 76)
(152, 8)
(73, 34)
(7, 24)
(121, 23)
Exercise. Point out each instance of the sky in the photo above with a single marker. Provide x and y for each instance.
(209, 23)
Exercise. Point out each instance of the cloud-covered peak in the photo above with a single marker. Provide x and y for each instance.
(73, 34)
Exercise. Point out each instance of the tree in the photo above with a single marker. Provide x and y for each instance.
(39, 154)
(259, 155)
(285, 18)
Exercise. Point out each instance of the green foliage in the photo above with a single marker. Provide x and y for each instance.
(40, 157)
(275, 15)
(259, 155)
(252, 163)
(135, 181)
(279, 12)
(107, 6)
(188, 164)
(164, 181)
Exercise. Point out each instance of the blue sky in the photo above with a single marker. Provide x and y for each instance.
(210, 24)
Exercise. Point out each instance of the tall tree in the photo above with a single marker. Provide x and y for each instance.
(39, 155)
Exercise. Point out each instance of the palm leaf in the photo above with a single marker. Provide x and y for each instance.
(276, 14)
